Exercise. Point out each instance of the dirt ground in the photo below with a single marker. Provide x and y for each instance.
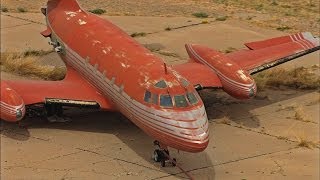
(256, 139)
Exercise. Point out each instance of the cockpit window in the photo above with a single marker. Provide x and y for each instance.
(192, 98)
(180, 101)
(161, 84)
(166, 101)
(147, 97)
(155, 98)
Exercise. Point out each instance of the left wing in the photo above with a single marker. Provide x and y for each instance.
(74, 90)
(266, 54)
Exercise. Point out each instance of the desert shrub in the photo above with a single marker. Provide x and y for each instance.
(200, 15)
(98, 11)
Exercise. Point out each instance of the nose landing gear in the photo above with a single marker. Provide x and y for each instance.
(162, 155)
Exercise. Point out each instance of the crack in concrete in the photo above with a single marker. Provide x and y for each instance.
(264, 133)
(280, 170)
(122, 160)
(28, 20)
(228, 162)
(10, 27)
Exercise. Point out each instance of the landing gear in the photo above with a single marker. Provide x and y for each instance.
(54, 113)
(162, 155)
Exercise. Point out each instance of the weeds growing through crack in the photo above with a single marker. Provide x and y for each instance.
(140, 34)
(21, 10)
(200, 15)
(98, 11)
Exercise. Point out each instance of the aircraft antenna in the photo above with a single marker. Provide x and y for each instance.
(165, 68)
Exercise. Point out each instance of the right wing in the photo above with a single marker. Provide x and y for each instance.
(269, 53)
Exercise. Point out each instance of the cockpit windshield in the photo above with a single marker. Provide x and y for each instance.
(192, 98)
(166, 101)
(180, 101)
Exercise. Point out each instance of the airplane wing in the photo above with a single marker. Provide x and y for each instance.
(73, 90)
(266, 54)
(198, 74)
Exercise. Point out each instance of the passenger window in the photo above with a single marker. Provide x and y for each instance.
(155, 99)
(192, 98)
(166, 101)
(180, 101)
(161, 84)
(147, 97)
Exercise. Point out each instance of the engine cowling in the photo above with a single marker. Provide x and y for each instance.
(235, 81)
(12, 107)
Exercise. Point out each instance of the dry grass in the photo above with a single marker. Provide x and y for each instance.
(303, 142)
(298, 78)
(29, 66)
(224, 120)
(300, 114)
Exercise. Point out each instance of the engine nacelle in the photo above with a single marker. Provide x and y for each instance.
(12, 107)
(235, 81)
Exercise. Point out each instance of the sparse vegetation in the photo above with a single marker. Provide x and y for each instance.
(28, 66)
(98, 11)
(200, 15)
(300, 114)
(283, 28)
(140, 34)
(205, 22)
(298, 78)
(222, 18)
(274, 3)
(230, 50)
(21, 10)
(167, 53)
(303, 142)
(168, 29)
(32, 52)
(259, 7)
(224, 120)
(4, 9)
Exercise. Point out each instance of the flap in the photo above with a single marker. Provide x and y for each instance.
(198, 74)
(269, 53)
(73, 87)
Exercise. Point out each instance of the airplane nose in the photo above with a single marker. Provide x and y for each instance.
(12, 107)
(196, 136)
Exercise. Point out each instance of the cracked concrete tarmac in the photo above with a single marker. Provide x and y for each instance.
(257, 141)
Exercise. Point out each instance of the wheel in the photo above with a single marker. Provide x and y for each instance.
(157, 155)
(163, 163)
(174, 162)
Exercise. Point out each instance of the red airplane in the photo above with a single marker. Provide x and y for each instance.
(108, 69)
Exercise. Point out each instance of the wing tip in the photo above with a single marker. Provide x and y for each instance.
(314, 40)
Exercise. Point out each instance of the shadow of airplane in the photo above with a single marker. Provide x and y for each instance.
(217, 105)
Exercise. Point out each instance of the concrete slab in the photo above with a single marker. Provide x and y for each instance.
(10, 22)
(100, 145)
(22, 38)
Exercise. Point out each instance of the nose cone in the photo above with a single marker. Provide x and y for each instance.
(12, 107)
(190, 133)
(197, 137)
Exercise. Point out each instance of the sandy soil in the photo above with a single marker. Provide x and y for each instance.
(300, 15)
(255, 139)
